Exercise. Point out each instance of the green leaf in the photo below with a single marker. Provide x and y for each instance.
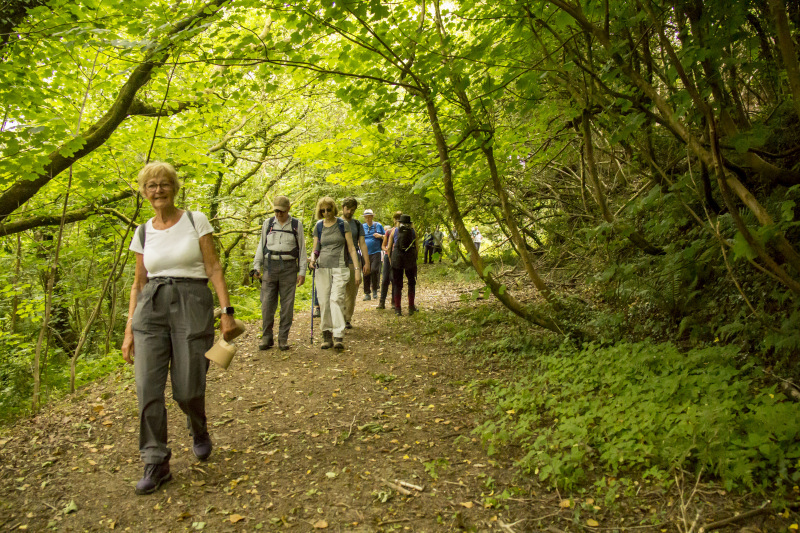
(787, 210)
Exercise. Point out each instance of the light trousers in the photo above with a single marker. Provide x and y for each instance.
(331, 284)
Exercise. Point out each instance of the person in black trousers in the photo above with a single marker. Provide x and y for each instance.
(386, 278)
(403, 252)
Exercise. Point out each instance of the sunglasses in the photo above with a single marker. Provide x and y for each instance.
(324, 210)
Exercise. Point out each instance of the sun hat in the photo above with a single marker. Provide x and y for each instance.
(405, 219)
(368, 212)
(281, 203)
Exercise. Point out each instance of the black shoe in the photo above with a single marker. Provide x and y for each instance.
(266, 343)
(155, 475)
(398, 311)
(338, 343)
(367, 297)
(283, 345)
(381, 305)
(348, 325)
(316, 312)
(411, 310)
(202, 447)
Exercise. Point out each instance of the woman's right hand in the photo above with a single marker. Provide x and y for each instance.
(127, 345)
(312, 265)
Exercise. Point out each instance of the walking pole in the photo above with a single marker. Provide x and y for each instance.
(313, 277)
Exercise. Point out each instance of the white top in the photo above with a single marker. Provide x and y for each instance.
(174, 252)
(476, 235)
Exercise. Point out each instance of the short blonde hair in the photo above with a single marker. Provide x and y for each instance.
(326, 201)
(158, 169)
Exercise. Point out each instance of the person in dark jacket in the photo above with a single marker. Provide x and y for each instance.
(403, 252)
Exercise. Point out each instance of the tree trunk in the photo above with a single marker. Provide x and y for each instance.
(788, 52)
(497, 289)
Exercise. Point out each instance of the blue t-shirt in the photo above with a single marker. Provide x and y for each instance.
(373, 244)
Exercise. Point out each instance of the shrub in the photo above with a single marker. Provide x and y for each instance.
(647, 407)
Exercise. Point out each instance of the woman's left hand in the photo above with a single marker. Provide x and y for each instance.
(226, 326)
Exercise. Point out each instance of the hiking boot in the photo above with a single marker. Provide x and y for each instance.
(155, 475)
(316, 312)
(266, 343)
(398, 311)
(375, 295)
(327, 340)
(348, 325)
(411, 310)
(367, 297)
(202, 447)
(283, 345)
(338, 343)
(381, 305)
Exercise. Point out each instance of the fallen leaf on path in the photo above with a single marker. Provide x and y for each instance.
(468, 505)
(235, 518)
(322, 524)
(592, 523)
(565, 504)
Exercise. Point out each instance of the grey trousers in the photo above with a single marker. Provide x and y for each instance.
(279, 280)
(173, 327)
(372, 283)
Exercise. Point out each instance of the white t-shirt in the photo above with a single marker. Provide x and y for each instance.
(174, 252)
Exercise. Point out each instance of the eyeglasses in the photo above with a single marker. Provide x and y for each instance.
(153, 187)
(324, 210)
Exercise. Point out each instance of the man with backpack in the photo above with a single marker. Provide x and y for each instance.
(427, 246)
(403, 252)
(373, 235)
(280, 264)
(386, 278)
(349, 206)
(438, 240)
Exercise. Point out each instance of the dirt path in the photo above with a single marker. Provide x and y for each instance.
(304, 439)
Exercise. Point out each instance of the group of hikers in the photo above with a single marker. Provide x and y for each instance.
(345, 252)
(170, 323)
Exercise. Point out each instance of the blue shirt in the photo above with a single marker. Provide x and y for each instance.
(373, 244)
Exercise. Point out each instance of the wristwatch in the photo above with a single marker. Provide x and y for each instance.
(227, 311)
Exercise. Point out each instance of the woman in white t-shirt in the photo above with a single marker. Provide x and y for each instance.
(171, 320)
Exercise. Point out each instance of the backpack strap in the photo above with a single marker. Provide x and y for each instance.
(270, 223)
(141, 231)
(318, 228)
(295, 228)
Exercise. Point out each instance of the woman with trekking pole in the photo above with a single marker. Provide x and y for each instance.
(331, 243)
